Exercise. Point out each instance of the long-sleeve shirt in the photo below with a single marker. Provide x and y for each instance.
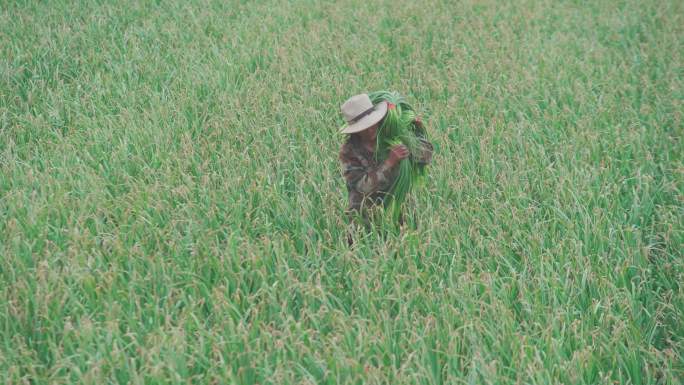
(367, 180)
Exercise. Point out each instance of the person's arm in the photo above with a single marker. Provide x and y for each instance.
(369, 180)
(426, 148)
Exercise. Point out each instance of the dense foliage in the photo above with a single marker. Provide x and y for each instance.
(172, 206)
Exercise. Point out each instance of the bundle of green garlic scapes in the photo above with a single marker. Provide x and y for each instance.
(400, 126)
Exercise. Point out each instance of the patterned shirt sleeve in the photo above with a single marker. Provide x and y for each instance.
(425, 156)
(366, 180)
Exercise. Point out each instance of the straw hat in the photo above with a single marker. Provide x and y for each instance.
(360, 113)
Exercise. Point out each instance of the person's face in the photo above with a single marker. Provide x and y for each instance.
(370, 133)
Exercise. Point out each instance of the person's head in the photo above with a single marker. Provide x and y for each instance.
(369, 135)
(363, 118)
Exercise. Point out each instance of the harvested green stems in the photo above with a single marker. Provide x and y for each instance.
(399, 127)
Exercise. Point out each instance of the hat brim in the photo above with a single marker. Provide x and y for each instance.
(367, 121)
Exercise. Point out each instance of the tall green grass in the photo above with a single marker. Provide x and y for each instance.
(172, 207)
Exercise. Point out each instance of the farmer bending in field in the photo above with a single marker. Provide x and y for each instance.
(371, 176)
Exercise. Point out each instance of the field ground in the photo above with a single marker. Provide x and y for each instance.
(171, 202)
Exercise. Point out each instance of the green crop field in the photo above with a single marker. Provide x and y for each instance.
(171, 202)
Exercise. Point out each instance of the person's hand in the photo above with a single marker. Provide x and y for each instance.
(397, 153)
(419, 122)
